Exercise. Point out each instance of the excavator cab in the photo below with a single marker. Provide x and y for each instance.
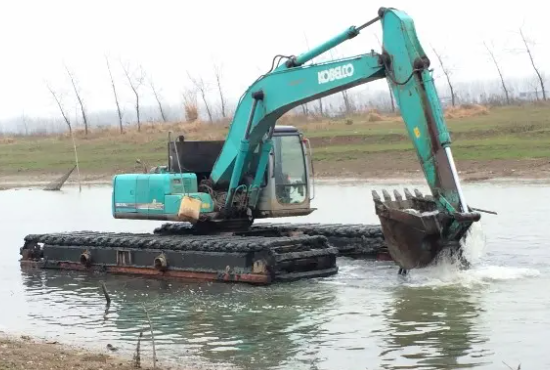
(288, 186)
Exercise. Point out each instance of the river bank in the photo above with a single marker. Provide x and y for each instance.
(372, 169)
(26, 353)
(488, 143)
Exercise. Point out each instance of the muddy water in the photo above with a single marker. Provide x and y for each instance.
(365, 317)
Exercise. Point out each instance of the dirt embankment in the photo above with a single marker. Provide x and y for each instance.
(375, 166)
(390, 166)
(502, 142)
(26, 354)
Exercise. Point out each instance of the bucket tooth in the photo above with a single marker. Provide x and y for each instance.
(417, 193)
(375, 196)
(397, 195)
(408, 194)
(387, 196)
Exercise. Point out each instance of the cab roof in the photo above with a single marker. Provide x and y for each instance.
(285, 129)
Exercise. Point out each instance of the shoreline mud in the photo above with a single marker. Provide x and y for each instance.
(22, 352)
(347, 172)
(14, 184)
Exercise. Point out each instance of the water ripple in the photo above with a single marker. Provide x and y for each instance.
(364, 317)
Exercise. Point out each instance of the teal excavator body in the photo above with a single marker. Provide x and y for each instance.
(265, 170)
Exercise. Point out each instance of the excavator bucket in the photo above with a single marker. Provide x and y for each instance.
(415, 230)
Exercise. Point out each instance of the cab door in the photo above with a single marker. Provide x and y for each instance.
(287, 192)
(290, 171)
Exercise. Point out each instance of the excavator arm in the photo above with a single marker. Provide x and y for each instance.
(442, 218)
(274, 95)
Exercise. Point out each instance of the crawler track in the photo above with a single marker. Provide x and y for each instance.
(351, 240)
(244, 258)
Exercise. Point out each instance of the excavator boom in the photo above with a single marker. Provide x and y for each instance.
(404, 63)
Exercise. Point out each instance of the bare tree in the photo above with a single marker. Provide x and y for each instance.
(25, 123)
(78, 97)
(499, 72)
(135, 83)
(217, 73)
(447, 73)
(115, 95)
(58, 101)
(68, 122)
(163, 116)
(535, 85)
(305, 109)
(201, 88)
(541, 80)
(347, 103)
(190, 105)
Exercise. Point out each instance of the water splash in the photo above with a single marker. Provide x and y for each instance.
(449, 271)
(473, 246)
(447, 274)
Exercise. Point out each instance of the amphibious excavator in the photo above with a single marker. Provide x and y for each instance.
(213, 191)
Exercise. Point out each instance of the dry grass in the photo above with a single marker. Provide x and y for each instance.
(7, 140)
(191, 112)
(373, 117)
(316, 124)
(500, 133)
(190, 106)
(466, 110)
(194, 128)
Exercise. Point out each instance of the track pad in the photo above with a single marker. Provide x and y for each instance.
(415, 231)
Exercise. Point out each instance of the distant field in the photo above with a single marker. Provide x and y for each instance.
(365, 143)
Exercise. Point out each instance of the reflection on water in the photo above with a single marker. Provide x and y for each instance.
(433, 328)
(286, 326)
(363, 317)
(250, 326)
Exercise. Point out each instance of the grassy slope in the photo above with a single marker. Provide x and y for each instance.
(504, 133)
(509, 133)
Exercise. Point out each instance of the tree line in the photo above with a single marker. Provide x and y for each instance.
(137, 79)
(206, 100)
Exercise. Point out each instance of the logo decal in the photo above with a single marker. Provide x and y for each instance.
(336, 73)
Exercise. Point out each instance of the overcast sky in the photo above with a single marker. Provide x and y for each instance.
(170, 38)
